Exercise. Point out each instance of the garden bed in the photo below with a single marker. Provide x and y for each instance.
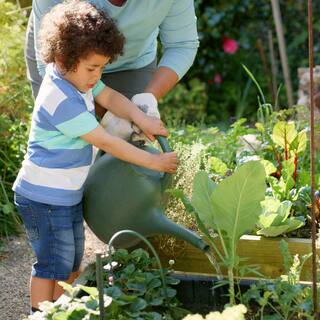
(195, 291)
(260, 251)
(134, 290)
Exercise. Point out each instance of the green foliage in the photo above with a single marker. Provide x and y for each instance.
(15, 92)
(133, 290)
(135, 284)
(186, 103)
(15, 101)
(285, 297)
(229, 209)
(275, 218)
(217, 166)
(73, 307)
(279, 144)
(248, 23)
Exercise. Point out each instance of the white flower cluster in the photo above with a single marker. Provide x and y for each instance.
(230, 313)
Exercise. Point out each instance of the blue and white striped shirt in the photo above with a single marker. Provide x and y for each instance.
(58, 160)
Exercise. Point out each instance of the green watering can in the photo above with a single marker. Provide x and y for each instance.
(119, 195)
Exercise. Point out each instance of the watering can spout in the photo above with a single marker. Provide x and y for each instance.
(166, 226)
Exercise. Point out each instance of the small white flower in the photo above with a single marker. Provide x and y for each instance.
(110, 266)
(171, 262)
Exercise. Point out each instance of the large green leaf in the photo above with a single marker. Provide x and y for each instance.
(93, 291)
(203, 188)
(236, 200)
(299, 144)
(274, 212)
(284, 133)
(269, 167)
(287, 226)
(274, 218)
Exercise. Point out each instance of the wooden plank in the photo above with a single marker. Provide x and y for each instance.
(261, 251)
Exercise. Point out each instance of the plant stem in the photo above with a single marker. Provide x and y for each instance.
(231, 285)
(295, 161)
(272, 307)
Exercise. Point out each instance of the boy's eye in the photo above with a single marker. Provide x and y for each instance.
(90, 70)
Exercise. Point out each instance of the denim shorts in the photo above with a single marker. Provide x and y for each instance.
(56, 234)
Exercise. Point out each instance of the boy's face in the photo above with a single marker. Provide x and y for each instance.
(88, 72)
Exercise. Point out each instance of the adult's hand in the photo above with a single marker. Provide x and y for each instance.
(149, 105)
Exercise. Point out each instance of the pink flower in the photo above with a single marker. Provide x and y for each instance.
(230, 46)
(110, 280)
(217, 78)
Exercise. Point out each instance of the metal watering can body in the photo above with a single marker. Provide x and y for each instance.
(119, 195)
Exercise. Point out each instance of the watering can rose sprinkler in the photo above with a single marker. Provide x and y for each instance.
(119, 195)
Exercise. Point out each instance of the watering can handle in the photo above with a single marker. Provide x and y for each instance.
(164, 144)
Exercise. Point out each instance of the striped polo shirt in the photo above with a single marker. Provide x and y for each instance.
(57, 161)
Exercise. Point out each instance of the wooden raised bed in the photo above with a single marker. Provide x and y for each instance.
(261, 251)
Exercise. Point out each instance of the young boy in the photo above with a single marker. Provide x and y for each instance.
(77, 40)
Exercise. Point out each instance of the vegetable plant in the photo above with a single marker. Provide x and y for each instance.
(227, 210)
(285, 297)
(275, 218)
(132, 290)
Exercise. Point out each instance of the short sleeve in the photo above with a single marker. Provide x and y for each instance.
(98, 88)
(73, 119)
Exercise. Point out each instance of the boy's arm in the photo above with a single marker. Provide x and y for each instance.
(122, 107)
(118, 104)
(166, 162)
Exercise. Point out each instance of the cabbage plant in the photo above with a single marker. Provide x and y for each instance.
(227, 210)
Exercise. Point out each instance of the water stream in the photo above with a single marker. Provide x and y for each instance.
(214, 263)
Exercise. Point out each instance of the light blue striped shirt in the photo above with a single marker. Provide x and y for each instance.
(58, 160)
(141, 21)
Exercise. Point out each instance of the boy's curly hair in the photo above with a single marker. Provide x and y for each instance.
(75, 29)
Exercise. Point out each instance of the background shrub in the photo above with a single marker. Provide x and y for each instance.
(15, 106)
(230, 92)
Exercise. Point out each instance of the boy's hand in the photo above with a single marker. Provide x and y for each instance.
(165, 162)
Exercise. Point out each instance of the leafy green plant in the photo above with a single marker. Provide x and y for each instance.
(73, 306)
(15, 102)
(229, 209)
(285, 135)
(133, 289)
(186, 103)
(134, 276)
(285, 297)
(275, 218)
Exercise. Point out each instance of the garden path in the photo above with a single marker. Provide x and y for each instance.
(16, 258)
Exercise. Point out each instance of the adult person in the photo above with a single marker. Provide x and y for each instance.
(140, 21)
